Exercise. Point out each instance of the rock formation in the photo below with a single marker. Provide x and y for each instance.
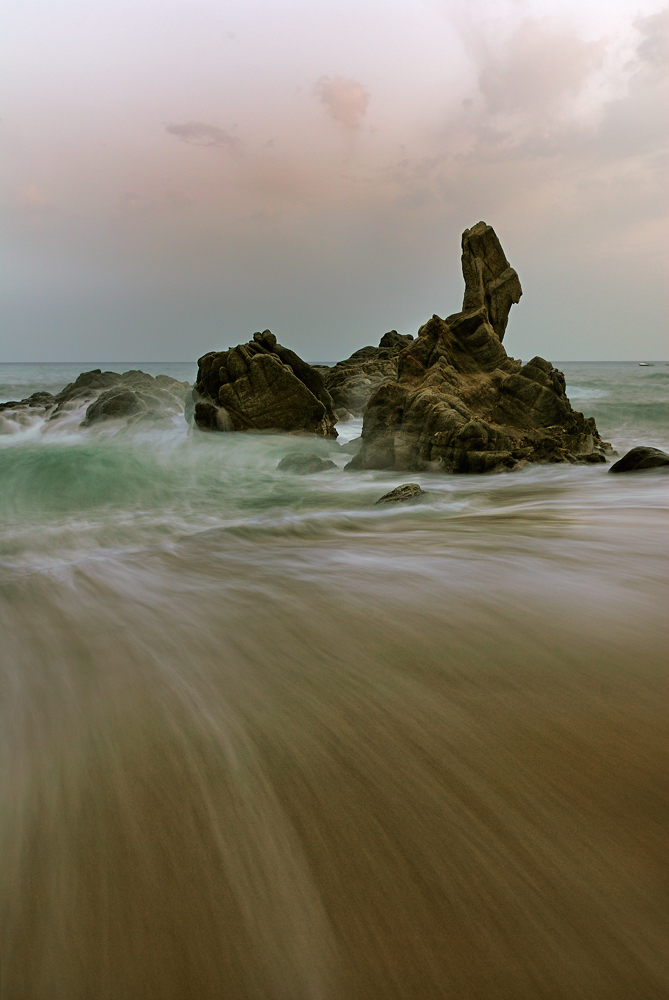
(261, 386)
(353, 381)
(641, 458)
(133, 395)
(460, 403)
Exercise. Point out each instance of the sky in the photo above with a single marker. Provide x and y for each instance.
(178, 174)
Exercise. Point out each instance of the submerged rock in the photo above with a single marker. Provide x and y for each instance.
(352, 447)
(297, 461)
(261, 386)
(132, 395)
(407, 491)
(460, 403)
(640, 458)
(353, 381)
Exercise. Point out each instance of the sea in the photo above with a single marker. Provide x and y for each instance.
(262, 738)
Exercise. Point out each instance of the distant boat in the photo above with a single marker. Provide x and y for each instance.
(645, 364)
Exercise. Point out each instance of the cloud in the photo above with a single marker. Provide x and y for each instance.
(555, 126)
(538, 72)
(653, 50)
(200, 134)
(346, 100)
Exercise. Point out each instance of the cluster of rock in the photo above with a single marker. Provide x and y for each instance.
(132, 396)
(460, 403)
(451, 400)
(353, 381)
(261, 386)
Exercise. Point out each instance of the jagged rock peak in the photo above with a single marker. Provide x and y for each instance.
(490, 281)
(460, 403)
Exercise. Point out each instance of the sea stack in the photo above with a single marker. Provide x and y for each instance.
(460, 403)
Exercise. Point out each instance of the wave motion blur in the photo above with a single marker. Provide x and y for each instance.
(263, 739)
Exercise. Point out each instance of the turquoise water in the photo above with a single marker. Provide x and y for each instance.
(630, 404)
(265, 739)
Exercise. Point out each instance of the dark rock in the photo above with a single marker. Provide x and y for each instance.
(296, 461)
(407, 491)
(38, 399)
(209, 417)
(118, 402)
(261, 386)
(353, 381)
(638, 459)
(134, 395)
(460, 403)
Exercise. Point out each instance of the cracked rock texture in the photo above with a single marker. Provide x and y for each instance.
(460, 403)
(261, 386)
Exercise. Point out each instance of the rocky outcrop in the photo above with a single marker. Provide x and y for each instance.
(641, 458)
(353, 381)
(133, 396)
(261, 386)
(460, 403)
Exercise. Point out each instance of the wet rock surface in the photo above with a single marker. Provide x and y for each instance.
(304, 464)
(403, 493)
(460, 403)
(133, 396)
(261, 386)
(352, 382)
(641, 458)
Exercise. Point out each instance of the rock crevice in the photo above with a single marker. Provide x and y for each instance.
(352, 382)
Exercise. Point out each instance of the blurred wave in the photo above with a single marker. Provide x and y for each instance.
(264, 739)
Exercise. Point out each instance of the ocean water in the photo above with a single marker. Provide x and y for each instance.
(264, 739)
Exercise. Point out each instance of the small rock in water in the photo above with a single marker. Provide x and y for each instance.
(641, 458)
(352, 447)
(296, 461)
(407, 491)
